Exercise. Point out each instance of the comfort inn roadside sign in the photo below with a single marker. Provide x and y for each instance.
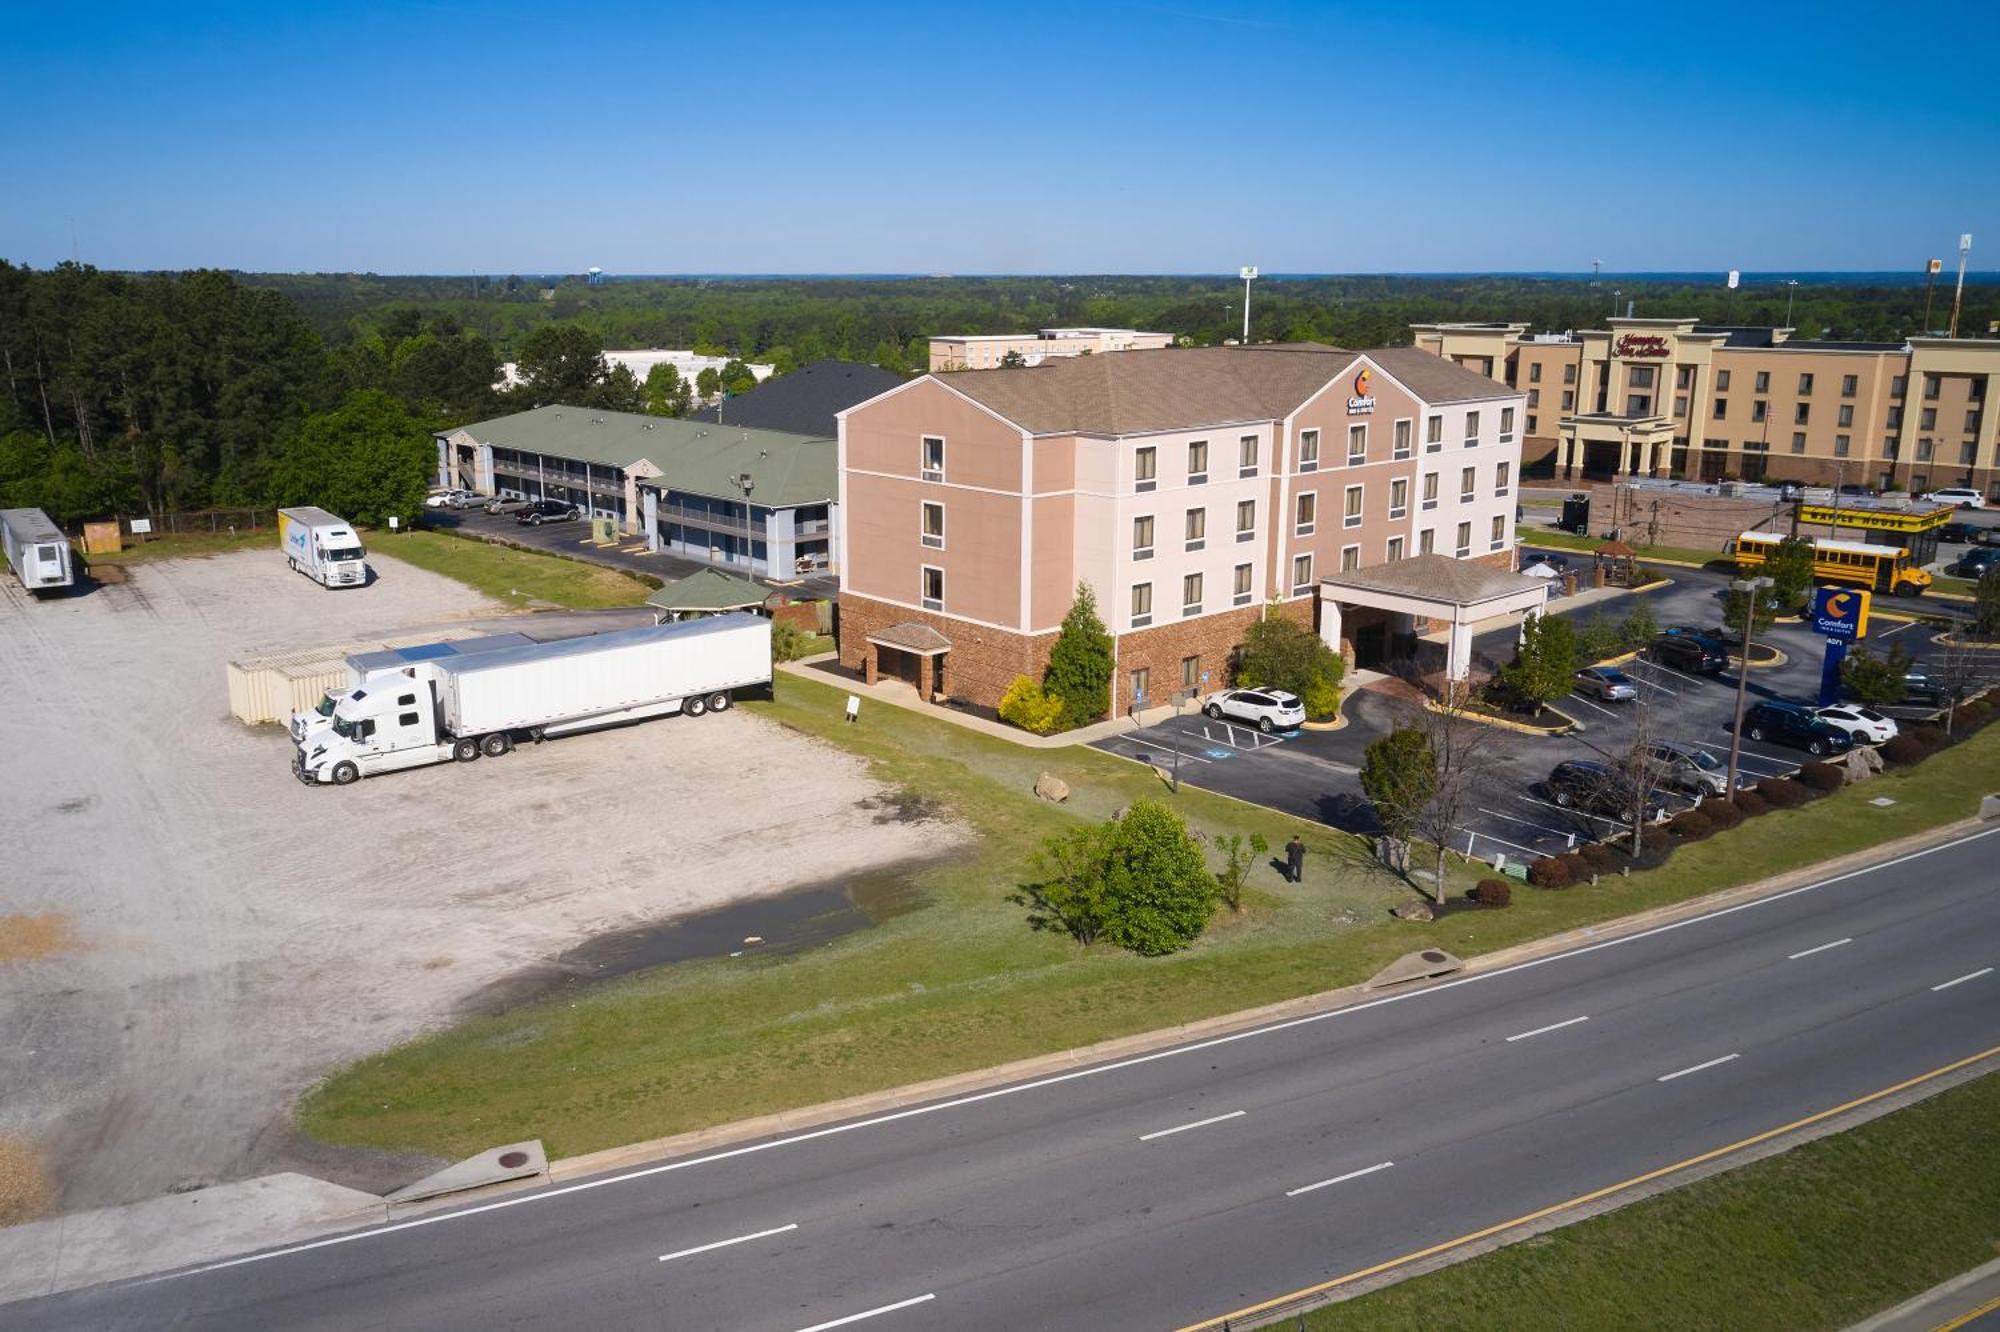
(1840, 612)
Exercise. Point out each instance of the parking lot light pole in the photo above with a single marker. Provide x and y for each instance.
(1753, 588)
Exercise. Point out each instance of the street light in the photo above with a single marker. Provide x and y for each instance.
(1791, 289)
(1249, 274)
(1754, 588)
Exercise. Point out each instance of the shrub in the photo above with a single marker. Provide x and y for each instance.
(1600, 639)
(1822, 777)
(1138, 881)
(1750, 804)
(1720, 813)
(1690, 825)
(1492, 893)
(1903, 751)
(1930, 736)
(1598, 856)
(1780, 793)
(1579, 869)
(1639, 625)
(1654, 845)
(1972, 716)
(1549, 872)
(1030, 707)
(1805, 793)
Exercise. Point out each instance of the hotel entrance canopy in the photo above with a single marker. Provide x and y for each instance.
(1457, 594)
(1631, 445)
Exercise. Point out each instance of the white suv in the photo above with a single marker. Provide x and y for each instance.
(1957, 496)
(1269, 709)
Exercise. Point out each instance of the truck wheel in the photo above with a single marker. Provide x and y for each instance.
(694, 707)
(465, 750)
(345, 774)
(496, 744)
(718, 702)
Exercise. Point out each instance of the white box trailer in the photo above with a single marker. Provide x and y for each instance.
(420, 659)
(323, 547)
(485, 704)
(37, 551)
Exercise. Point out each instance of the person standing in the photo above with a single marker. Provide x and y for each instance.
(1295, 859)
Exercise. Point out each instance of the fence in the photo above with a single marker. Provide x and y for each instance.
(203, 521)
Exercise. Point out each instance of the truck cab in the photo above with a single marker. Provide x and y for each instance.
(386, 723)
(319, 716)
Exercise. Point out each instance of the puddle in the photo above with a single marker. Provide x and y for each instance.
(787, 923)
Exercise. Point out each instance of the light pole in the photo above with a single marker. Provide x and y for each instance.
(1958, 295)
(1249, 274)
(1791, 289)
(1753, 588)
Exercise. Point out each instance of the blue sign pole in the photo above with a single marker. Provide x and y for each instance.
(1829, 672)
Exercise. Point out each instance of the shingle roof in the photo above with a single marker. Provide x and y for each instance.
(1437, 578)
(804, 401)
(1129, 392)
(912, 637)
(709, 590)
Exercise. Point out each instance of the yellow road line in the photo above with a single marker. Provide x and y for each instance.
(1593, 1196)
(1967, 1317)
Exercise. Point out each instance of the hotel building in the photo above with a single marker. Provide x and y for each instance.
(989, 351)
(1670, 397)
(1188, 488)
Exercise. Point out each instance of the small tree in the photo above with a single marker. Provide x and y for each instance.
(1986, 604)
(1138, 881)
(1600, 639)
(1458, 743)
(1238, 855)
(1544, 666)
(1080, 664)
(1280, 653)
(1013, 360)
(1074, 894)
(1399, 775)
(1875, 680)
(1790, 569)
(1639, 626)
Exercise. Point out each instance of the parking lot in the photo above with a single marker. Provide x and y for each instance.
(189, 937)
(1316, 774)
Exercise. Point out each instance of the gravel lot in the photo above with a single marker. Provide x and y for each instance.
(188, 936)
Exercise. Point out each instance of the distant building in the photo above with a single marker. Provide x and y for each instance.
(640, 362)
(988, 351)
(806, 400)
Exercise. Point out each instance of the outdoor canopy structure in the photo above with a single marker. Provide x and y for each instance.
(1457, 594)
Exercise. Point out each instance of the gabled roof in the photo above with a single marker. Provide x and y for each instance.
(804, 401)
(912, 636)
(1132, 392)
(1435, 577)
(709, 590)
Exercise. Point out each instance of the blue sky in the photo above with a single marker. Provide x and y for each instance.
(1180, 136)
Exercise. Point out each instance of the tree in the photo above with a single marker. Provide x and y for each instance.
(1138, 881)
(1280, 653)
(736, 378)
(1080, 663)
(708, 382)
(618, 391)
(1875, 680)
(1399, 776)
(1790, 569)
(1238, 855)
(561, 362)
(1639, 626)
(1458, 743)
(367, 460)
(1986, 604)
(1013, 360)
(666, 393)
(1544, 665)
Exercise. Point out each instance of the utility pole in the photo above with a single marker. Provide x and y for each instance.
(1753, 588)
(1958, 295)
(1249, 274)
(1791, 289)
(1932, 267)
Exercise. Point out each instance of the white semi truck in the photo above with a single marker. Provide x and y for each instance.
(487, 703)
(323, 547)
(37, 551)
(419, 660)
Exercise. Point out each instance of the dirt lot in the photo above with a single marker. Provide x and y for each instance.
(195, 936)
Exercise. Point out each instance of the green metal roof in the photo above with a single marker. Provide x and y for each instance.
(699, 457)
(709, 590)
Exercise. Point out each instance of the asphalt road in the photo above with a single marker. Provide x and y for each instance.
(1165, 1188)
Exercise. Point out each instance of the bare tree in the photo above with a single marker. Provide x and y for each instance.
(1958, 675)
(1458, 742)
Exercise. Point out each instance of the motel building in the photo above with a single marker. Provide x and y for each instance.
(1673, 398)
(1369, 494)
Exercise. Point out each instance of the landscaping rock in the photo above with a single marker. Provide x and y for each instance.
(1418, 910)
(1052, 788)
(1861, 763)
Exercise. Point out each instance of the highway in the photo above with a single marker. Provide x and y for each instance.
(1168, 1188)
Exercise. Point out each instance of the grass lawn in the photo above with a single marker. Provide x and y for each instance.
(513, 577)
(1549, 538)
(1818, 1237)
(952, 979)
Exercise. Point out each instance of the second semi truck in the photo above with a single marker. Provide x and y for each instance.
(323, 547)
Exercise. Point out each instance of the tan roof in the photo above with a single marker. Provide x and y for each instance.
(1129, 392)
(912, 637)
(1436, 578)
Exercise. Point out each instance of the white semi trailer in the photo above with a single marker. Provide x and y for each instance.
(37, 551)
(485, 704)
(418, 661)
(323, 547)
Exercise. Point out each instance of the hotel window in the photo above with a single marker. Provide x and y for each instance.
(1639, 404)
(1426, 541)
(1471, 429)
(1639, 376)
(1848, 384)
(1499, 532)
(1246, 520)
(1534, 397)
(1805, 385)
(1680, 405)
(1972, 422)
(1142, 538)
(1569, 401)
(1931, 385)
(1715, 443)
(1468, 480)
(1350, 558)
(1846, 413)
(1758, 410)
(1968, 453)
(1395, 548)
(1357, 445)
(1246, 456)
(1190, 672)
(933, 458)
(1683, 376)
(1535, 372)
(1569, 374)
(1798, 441)
(934, 525)
(1502, 478)
(932, 587)
(1891, 446)
(1350, 515)
(1307, 505)
(1898, 385)
(1433, 434)
(1198, 462)
(1430, 490)
(1531, 423)
(1402, 439)
(1841, 444)
(1309, 450)
(1801, 413)
(1928, 421)
(1896, 418)
(1722, 381)
(1506, 424)
(1191, 594)
(1142, 680)
(1241, 596)
(1197, 528)
(1763, 382)
(1142, 604)
(1146, 468)
(1464, 540)
(1923, 450)
(1399, 497)
(1302, 574)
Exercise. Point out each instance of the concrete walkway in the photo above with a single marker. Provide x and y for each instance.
(1967, 1301)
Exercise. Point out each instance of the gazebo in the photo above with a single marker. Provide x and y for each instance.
(707, 592)
(1616, 563)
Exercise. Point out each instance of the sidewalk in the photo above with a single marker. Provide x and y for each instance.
(1971, 1300)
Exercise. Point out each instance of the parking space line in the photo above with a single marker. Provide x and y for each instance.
(1516, 818)
(1588, 704)
(1571, 810)
(1679, 675)
(1164, 749)
(1512, 846)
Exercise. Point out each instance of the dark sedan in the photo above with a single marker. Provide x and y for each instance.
(1694, 654)
(1600, 789)
(1796, 725)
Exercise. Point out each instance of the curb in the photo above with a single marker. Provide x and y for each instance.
(1523, 728)
(682, 1144)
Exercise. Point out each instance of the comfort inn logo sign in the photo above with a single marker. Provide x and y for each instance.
(1363, 401)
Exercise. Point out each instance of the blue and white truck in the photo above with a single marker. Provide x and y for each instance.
(323, 547)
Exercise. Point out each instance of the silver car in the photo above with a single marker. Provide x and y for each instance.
(1606, 682)
(507, 504)
(1266, 709)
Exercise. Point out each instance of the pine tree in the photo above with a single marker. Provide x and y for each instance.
(1080, 664)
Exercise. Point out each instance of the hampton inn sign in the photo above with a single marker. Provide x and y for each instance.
(1640, 344)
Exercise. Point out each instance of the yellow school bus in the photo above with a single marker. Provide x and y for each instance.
(1885, 569)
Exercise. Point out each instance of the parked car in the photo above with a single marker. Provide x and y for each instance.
(1688, 768)
(1921, 688)
(546, 511)
(1962, 497)
(1598, 788)
(450, 499)
(1855, 490)
(507, 504)
(1796, 725)
(1560, 563)
(1864, 726)
(1695, 654)
(1974, 563)
(1606, 682)
(1971, 534)
(1268, 709)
